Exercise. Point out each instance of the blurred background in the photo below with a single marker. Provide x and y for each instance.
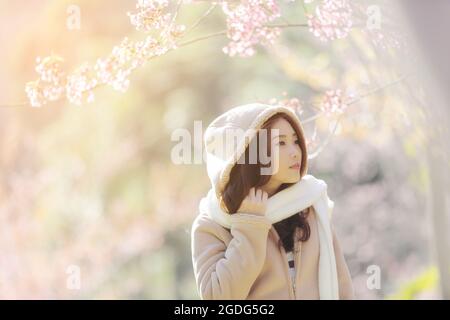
(92, 205)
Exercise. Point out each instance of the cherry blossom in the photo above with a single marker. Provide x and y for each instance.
(293, 103)
(333, 102)
(80, 85)
(332, 20)
(246, 25)
(114, 69)
(151, 15)
(50, 85)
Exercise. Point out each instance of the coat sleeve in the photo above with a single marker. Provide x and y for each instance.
(346, 291)
(228, 272)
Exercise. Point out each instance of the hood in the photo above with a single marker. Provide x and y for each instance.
(241, 123)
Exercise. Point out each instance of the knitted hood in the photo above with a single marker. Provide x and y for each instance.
(242, 123)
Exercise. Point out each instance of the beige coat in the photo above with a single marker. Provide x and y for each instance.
(246, 263)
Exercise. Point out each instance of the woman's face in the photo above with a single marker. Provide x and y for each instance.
(286, 153)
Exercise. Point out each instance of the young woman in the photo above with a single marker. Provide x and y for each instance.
(264, 229)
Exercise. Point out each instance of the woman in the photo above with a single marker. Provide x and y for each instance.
(264, 229)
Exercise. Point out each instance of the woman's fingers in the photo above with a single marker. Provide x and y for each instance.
(258, 195)
(251, 194)
(261, 196)
(265, 196)
(255, 202)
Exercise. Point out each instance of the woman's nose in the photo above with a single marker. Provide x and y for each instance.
(295, 153)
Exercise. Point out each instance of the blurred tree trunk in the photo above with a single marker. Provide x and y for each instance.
(439, 182)
(429, 24)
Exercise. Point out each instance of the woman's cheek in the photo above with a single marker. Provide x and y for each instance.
(276, 165)
(275, 159)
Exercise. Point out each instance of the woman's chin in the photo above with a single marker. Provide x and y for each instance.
(293, 178)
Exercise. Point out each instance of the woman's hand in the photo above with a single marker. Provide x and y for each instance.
(255, 202)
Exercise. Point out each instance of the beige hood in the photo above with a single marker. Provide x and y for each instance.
(241, 122)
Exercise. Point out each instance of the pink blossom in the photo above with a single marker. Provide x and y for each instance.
(80, 85)
(246, 25)
(333, 102)
(50, 85)
(150, 15)
(293, 103)
(124, 58)
(332, 20)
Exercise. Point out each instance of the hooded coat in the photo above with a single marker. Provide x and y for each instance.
(236, 256)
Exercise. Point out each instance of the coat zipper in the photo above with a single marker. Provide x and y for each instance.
(295, 271)
(297, 248)
(292, 282)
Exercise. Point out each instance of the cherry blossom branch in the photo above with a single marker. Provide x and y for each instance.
(313, 118)
(200, 20)
(174, 16)
(287, 25)
(249, 23)
(224, 32)
(322, 146)
(375, 90)
(201, 38)
(327, 140)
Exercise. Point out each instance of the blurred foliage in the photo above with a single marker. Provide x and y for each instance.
(422, 283)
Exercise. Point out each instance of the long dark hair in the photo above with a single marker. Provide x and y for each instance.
(244, 176)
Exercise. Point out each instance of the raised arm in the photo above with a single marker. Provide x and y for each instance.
(228, 272)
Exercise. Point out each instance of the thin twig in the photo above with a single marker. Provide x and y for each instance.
(180, 2)
(328, 139)
(368, 93)
(224, 32)
(216, 34)
(206, 14)
(312, 118)
(287, 25)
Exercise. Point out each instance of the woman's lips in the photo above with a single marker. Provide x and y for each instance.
(295, 166)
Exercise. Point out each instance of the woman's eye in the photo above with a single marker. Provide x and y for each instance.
(281, 143)
(297, 141)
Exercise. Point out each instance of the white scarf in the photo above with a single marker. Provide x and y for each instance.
(308, 191)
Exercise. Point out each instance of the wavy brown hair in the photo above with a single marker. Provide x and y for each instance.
(244, 176)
